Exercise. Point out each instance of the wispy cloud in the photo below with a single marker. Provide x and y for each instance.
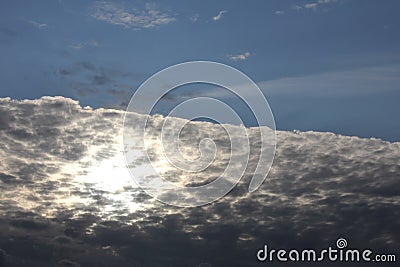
(194, 18)
(130, 18)
(318, 3)
(311, 5)
(279, 12)
(239, 56)
(326, 1)
(358, 82)
(297, 7)
(338, 83)
(220, 14)
(90, 43)
(38, 25)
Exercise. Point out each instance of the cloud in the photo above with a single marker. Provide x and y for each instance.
(88, 80)
(326, 1)
(240, 56)
(65, 72)
(194, 18)
(101, 79)
(279, 12)
(130, 18)
(86, 44)
(7, 32)
(67, 198)
(297, 7)
(311, 5)
(38, 25)
(333, 83)
(318, 3)
(347, 82)
(220, 14)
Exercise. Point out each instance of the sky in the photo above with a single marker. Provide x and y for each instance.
(328, 65)
(68, 196)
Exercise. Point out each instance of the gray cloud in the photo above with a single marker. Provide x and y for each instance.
(7, 32)
(65, 72)
(66, 198)
(7, 35)
(87, 79)
(101, 79)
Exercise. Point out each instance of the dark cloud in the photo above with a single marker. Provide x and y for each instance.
(5, 119)
(120, 93)
(7, 32)
(88, 79)
(84, 90)
(7, 35)
(122, 96)
(66, 199)
(65, 72)
(87, 65)
(101, 79)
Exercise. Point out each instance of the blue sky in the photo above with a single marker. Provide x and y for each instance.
(323, 65)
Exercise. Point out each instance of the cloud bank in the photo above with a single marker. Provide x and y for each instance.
(67, 200)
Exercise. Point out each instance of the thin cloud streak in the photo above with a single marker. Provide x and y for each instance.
(38, 25)
(348, 82)
(315, 5)
(90, 43)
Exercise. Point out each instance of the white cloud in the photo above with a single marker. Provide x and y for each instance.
(219, 16)
(90, 43)
(279, 12)
(315, 5)
(112, 13)
(311, 5)
(239, 56)
(38, 25)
